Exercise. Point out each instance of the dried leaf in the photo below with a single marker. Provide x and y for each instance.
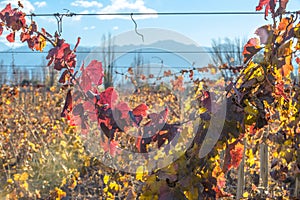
(250, 49)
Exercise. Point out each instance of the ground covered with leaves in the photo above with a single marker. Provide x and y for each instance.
(44, 158)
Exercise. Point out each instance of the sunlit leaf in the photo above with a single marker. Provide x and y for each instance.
(250, 49)
(11, 37)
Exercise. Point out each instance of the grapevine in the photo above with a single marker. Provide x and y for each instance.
(262, 114)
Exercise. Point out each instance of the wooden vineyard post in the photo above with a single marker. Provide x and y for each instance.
(44, 93)
(32, 95)
(297, 187)
(264, 165)
(241, 176)
(20, 95)
(264, 158)
(25, 99)
(297, 184)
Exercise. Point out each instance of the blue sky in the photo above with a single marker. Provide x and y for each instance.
(202, 29)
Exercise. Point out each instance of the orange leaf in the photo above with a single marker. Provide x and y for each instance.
(11, 37)
(140, 110)
(284, 24)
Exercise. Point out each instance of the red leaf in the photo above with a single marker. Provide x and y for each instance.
(111, 147)
(139, 143)
(178, 83)
(219, 175)
(7, 9)
(24, 36)
(95, 71)
(85, 81)
(89, 106)
(233, 155)
(268, 4)
(298, 60)
(64, 77)
(11, 37)
(123, 108)
(140, 110)
(281, 7)
(63, 50)
(236, 154)
(21, 20)
(109, 97)
(283, 4)
(279, 90)
(68, 105)
(206, 100)
(1, 30)
(58, 64)
(61, 55)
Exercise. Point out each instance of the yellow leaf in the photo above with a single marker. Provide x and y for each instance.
(202, 110)
(64, 181)
(105, 189)
(106, 179)
(43, 43)
(24, 176)
(60, 193)
(246, 194)
(140, 171)
(73, 184)
(10, 181)
(32, 145)
(52, 89)
(110, 195)
(25, 185)
(250, 155)
(8, 102)
(251, 110)
(288, 142)
(192, 193)
(64, 156)
(63, 143)
(16, 177)
(114, 186)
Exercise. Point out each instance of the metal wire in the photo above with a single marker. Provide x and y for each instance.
(153, 13)
(125, 52)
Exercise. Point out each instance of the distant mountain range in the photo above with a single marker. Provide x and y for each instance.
(170, 52)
